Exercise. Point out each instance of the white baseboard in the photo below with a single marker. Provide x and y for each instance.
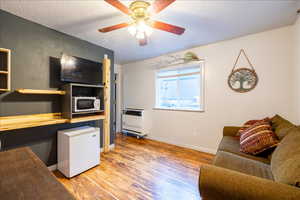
(54, 167)
(198, 148)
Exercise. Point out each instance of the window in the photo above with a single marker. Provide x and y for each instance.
(180, 88)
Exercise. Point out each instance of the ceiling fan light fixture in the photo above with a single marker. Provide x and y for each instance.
(140, 29)
(149, 31)
(143, 27)
(140, 35)
(132, 30)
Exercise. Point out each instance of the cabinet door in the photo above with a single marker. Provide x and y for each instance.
(84, 152)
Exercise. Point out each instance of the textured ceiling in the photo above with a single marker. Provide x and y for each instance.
(205, 22)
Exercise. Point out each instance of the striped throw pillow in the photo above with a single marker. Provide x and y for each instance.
(250, 123)
(258, 138)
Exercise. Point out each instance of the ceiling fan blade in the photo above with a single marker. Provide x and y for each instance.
(159, 5)
(112, 28)
(117, 4)
(143, 42)
(168, 27)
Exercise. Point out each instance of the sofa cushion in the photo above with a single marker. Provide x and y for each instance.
(281, 126)
(232, 145)
(244, 165)
(258, 138)
(250, 123)
(285, 162)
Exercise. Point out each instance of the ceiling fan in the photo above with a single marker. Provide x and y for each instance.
(142, 25)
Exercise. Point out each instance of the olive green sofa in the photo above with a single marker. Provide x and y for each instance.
(238, 176)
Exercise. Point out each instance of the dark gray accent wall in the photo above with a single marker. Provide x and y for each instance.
(35, 52)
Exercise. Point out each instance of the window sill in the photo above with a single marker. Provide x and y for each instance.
(182, 110)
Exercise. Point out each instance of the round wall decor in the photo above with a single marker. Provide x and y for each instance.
(242, 79)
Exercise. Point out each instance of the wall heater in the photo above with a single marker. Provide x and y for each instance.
(133, 122)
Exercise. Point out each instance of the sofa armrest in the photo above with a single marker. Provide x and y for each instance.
(216, 183)
(230, 130)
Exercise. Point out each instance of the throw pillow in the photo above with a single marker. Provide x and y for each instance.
(250, 123)
(258, 138)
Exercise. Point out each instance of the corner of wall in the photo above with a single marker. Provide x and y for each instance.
(296, 65)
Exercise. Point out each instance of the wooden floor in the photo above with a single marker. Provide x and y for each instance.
(141, 169)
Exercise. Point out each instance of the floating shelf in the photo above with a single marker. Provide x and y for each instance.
(86, 118)
(31, 91)
(29, 121)
(3, 72)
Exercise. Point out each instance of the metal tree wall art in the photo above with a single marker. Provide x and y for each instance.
(242, 79)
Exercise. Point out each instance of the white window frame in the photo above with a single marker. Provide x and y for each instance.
(201, 65)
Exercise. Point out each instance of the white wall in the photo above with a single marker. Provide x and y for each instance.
(297, 67)
(271, 55)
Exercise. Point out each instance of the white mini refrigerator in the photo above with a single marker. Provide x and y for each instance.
(78, 150)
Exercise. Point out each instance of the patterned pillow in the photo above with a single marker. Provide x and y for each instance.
(258, 138)
(250, 123)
